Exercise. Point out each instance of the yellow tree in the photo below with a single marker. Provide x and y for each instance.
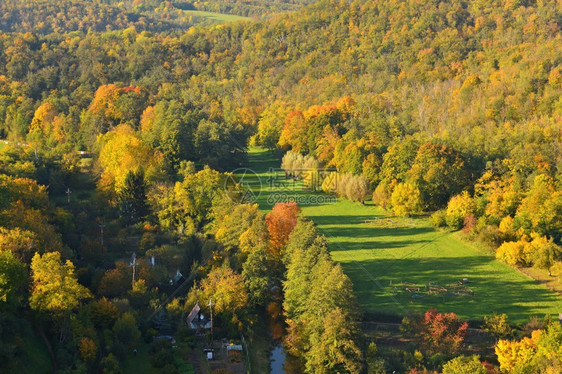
(405, 200)
(270, 125)
(225, 288)
(41, 127)
(514, 354)
(121, 152)
(459, 207)
(55, 289)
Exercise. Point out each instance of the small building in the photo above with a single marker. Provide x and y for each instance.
(196, 320)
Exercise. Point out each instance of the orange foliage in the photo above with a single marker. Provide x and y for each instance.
(294, 132)
(280, 223)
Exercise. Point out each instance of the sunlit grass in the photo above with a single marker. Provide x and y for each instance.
(216, 17)
(389, 259)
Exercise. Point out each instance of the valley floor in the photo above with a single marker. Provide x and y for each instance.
(399, 265)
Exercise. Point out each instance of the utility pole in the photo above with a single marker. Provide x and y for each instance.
(133, 265)
(68, 192)
(211, 308)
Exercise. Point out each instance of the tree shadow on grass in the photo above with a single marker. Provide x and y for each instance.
(374, 245)
(496, 288)
(344, 219)
(370, 232)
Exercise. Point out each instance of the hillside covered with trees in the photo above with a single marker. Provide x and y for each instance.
(120, 122)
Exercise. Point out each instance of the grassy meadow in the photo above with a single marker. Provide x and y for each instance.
(218, 18)
(399, 265)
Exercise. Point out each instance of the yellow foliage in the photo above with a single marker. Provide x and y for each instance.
(512, 354)
(88, 349)
(405, 199)
(515, 253)
(122, 151)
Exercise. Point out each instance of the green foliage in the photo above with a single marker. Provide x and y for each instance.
(126, 331)
(225, 288)
(438, 172)
(111, 365)
(320, 306)
(103, 313)
(132, 198)
(21, 243)
(13, 275)
(186, 206)
(169, 126)
(336, 349)
(464, 365)
(256, 271)
(498, 325)
(439, 218)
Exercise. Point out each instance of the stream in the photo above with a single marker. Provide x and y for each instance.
(277, 359)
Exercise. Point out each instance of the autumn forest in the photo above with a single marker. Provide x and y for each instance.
(143, 145)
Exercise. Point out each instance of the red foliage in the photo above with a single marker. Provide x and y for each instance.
(442, 332)
(469, 224)
(280, 223)
(490, 367)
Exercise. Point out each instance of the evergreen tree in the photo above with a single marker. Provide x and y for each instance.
(132, 198)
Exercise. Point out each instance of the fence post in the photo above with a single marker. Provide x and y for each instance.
(249, 368)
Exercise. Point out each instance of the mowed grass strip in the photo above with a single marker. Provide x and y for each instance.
(218, 18)
(401, 265)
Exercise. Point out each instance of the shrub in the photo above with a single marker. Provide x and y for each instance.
(458, 208)
(465, 365)
(515, 253)
(383, 192)
(438, 219)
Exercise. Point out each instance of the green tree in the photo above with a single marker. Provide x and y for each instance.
(225, 288)
(13, 275)
(132, 198)
(438, 172)
(126, 331)
(297, 285)
(464, 365)
(188, 205)
(335, 350)
(256, 271)
(111, 365)
(103, 312)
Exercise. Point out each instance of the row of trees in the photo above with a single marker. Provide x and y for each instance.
(319, 305)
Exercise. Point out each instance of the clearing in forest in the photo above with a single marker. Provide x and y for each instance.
(399, 265)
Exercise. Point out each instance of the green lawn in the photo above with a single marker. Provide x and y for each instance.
(386, 255)
(216, 17)
(139, 363)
